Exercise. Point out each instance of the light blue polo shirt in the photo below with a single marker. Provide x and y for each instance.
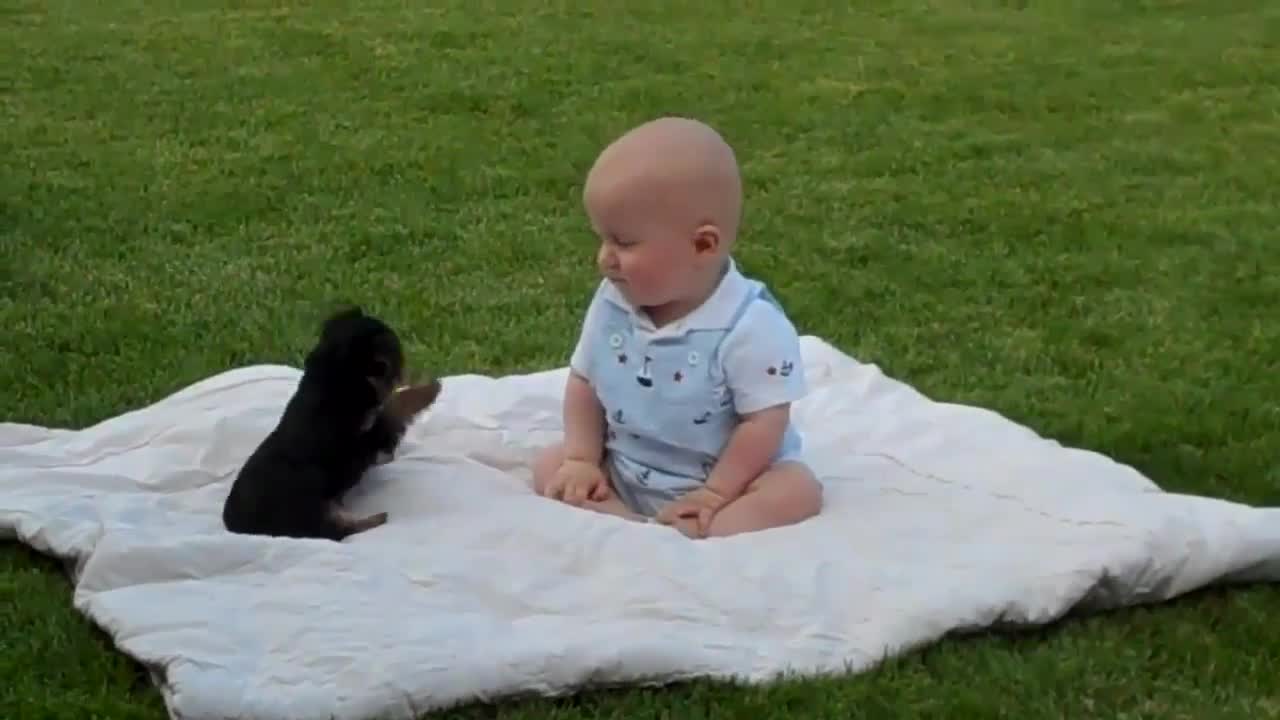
(673, 395)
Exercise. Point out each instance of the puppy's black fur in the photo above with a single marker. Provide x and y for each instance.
(345, 416)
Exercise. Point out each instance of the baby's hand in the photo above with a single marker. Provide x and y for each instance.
(692, 512)
(576, 482)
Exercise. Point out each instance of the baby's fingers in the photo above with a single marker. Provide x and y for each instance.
(600, 492)
(670, 512)
(704, 521)
(576, 493)
(554, 489)
(690, 510)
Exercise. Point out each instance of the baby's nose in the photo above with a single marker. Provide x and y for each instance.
(606, 258)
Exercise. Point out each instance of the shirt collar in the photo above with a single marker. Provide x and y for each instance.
(715, 313)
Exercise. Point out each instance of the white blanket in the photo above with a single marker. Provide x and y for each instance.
(939, 518)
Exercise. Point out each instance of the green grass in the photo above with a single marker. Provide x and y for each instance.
(1064, 211)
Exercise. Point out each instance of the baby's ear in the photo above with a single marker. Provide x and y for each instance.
(408, 401)
(706, 240)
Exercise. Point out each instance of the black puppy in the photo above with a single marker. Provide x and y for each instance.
(348, 413)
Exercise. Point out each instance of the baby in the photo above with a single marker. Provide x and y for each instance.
(677, 407)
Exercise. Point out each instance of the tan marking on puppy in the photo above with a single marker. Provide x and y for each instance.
(353, 524)
(406, 402)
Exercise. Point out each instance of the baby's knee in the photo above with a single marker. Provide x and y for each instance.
(802, 492)
(811, 494)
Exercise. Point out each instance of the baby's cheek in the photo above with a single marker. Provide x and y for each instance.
(636, 275)
(654, 275)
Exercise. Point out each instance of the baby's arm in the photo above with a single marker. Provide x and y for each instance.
(583, 421)
(749, 451)
(765, 373)
(583, 413)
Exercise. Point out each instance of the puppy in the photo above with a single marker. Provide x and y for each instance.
(348, 413)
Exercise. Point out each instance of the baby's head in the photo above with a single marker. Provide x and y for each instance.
(665, 200)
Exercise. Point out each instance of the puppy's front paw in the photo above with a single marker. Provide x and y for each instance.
(410, 400)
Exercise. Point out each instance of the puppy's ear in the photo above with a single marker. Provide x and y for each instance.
(378, 374)
(407, 402)
(339, 318)
(380, 369)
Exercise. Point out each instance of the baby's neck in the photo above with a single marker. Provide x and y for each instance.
(662, 315)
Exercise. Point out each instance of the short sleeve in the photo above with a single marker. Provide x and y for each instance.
(588, 336)
(761, 360)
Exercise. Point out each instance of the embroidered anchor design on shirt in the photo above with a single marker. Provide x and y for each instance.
(643, 477)
(702, 419)
(617, 417)
(643, 377)
(787, 367)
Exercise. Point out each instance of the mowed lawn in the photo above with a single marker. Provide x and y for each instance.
(1068, 212)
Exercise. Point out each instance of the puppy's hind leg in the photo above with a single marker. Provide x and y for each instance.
(347, 523)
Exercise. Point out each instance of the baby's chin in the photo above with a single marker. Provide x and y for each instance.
(624, 290)
(628, 293)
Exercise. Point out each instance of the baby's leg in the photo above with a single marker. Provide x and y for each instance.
(549, 461)
(785, 494)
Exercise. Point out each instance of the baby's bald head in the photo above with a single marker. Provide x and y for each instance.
(665, 200)
(677, 168)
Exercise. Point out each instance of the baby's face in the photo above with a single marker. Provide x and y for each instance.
(660, 199)
(649, 255)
